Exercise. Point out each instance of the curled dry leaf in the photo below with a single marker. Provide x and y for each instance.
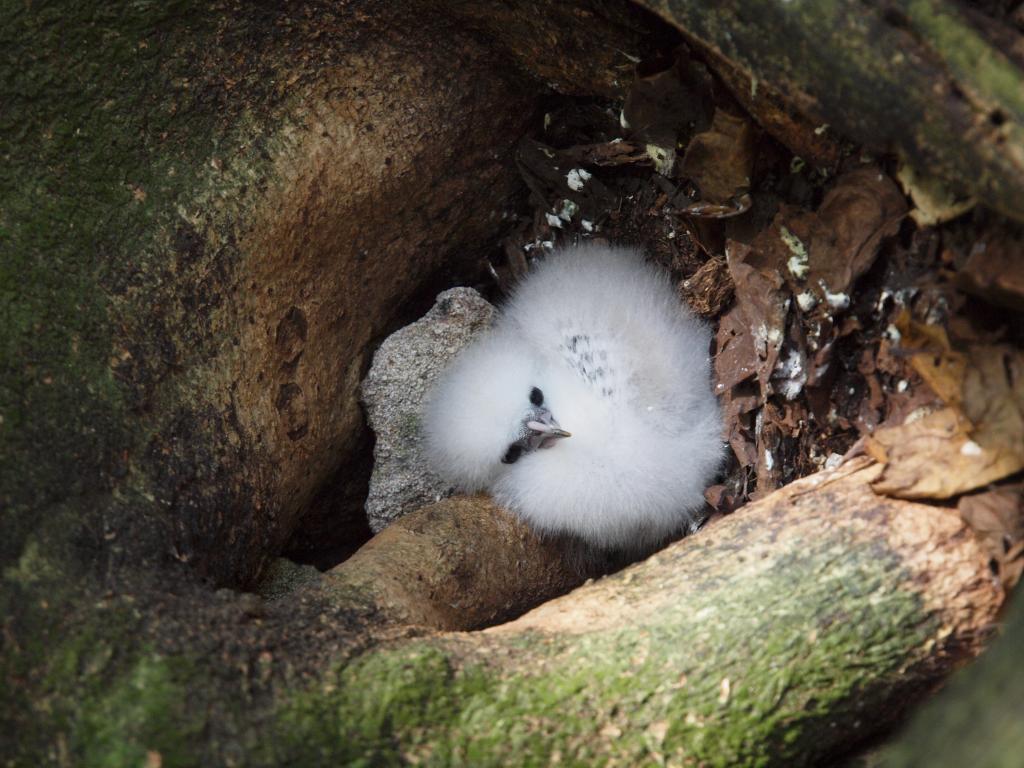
(935, 458)
(668, 100)
(751, 334)
(941, 367)
(993, 398)
(826, 251)
(935, 201)
(978, 439)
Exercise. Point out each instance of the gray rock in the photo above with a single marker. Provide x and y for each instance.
(403, 369)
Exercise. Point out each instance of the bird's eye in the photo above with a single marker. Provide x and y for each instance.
(513, 454)
(536, 396)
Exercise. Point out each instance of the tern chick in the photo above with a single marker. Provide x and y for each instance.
(587, 409)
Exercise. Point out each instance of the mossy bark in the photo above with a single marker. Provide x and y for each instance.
(785, 634)
(209, 212)
(209, 215)
(978, 719)
(921, 77)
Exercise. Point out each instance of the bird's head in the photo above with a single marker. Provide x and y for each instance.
(537, 429)
(488, 410)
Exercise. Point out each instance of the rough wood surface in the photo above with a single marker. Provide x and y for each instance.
(209, 213)
(462, 563)
(978, 719)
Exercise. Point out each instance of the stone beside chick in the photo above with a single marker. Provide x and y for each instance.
(587, 409)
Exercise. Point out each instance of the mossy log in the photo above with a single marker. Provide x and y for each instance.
(784, 634)
(978, 719)
(927, 78)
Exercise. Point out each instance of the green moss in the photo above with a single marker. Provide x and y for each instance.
(636, 696)
(978, 719)
(970, 57)
(147, 710)
(115, 128)
(82, 688)
(127, 138)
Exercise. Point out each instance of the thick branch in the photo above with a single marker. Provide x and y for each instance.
(785, 633)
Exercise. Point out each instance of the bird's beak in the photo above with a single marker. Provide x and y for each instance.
(543, 430)
(547, 430)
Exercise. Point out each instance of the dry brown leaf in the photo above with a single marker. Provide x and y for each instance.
(995, 271)
(997, 519)
(942, 368)
(719, 161)
(669, 98)
(993, 398)
(977, 439)
(935, 457)
(553, 177)
(824, 252)
(935, 201)
(751, 334)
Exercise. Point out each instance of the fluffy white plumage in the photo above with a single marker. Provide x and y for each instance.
(594, 342)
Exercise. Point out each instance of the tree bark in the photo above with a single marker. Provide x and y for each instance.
(461, 564)
(979, 719)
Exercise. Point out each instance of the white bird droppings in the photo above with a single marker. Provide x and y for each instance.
(576, 178)
(833, 460)
(806, 301)
(799, 262)
(970, 448)
(837, 300)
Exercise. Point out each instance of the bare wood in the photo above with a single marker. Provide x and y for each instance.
(462, 563)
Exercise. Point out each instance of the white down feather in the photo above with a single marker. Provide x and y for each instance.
(623, 367)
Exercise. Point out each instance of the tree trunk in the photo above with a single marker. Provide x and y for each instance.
(979, 719)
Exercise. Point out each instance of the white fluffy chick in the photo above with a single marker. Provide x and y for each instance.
(587, 409)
